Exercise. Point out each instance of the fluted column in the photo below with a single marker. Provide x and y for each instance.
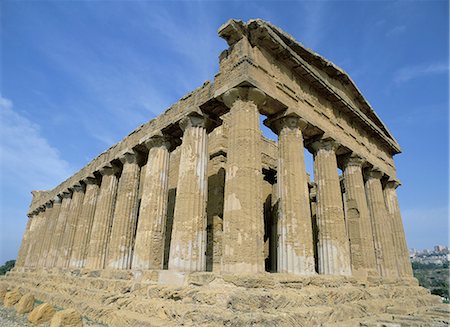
(188, 243)
(294, 231)
(56, 203)
(149, 246)
(243, 222)
(46, 233)
(101, 226)
(21, 256)
(382, 232)
(125, 214)
(333, 247)
(399, 240)
(61, 222)
(38, 237)
(83, 230)
(359, 228)
(32, 238)
(71, 225)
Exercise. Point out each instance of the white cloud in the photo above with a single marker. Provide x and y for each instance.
(407, 73)
(28, 162)
(27, 159)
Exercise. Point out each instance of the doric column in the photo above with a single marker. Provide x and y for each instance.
(21, 256)
(243, 222)
(149, 246)
(71, 225)
(38, 237)
(125, 214)
(56, 203)
(83, 231)
(359, 228)
(399, 240)
(295, 253)
(61, 222)
(32, 239)
(382, 233)
(101, 226)
(46, 234)
(188, 243)
(333, 247)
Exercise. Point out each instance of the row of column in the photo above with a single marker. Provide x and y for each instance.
(96, 225)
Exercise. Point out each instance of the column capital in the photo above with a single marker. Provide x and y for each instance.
(325, 142)
(291, 121)
(129, 156)
(78, 187)
(392, 184)
(351, 160)
(373, 173)
(193, 120)
(157, 141)
(90, 180)
(66, 194)
(108, 170)
(57, 200)
(253, 94)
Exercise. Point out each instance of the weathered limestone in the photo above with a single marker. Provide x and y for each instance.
(71, 226)
(84, 226)
(44, 235)
(398, 234)
(101, 226)
(11, 298)
(55, 245)
(359, 227)
(42, 313)
(149, 246)
(53, 218)
(21, 256)
(125, 214)
(67, 318)
(332, 246)
(25, 304)
(243, 217)
(188, 244)
(295, 242)
(35, 239)
(381, 226)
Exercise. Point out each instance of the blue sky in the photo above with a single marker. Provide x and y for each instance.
(77, 77)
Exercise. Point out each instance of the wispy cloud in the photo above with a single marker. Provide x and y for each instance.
(395, 31)
(28, 161)
(408, 73)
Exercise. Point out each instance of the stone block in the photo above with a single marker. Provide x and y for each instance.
(67, 318)
(25, 304)
(3, 291)
(11, 298)
(41, 314)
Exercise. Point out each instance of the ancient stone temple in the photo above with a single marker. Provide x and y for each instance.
(196, 218)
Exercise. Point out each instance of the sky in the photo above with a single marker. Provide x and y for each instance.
(77, 77)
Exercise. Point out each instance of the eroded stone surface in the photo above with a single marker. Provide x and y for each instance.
(25, 304)
(11, 298)
(42, 313)
(66, 318)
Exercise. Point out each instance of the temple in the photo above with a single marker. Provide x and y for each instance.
(200, 189)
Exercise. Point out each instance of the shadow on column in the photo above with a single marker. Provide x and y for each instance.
(169, 224)
(214, 229)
